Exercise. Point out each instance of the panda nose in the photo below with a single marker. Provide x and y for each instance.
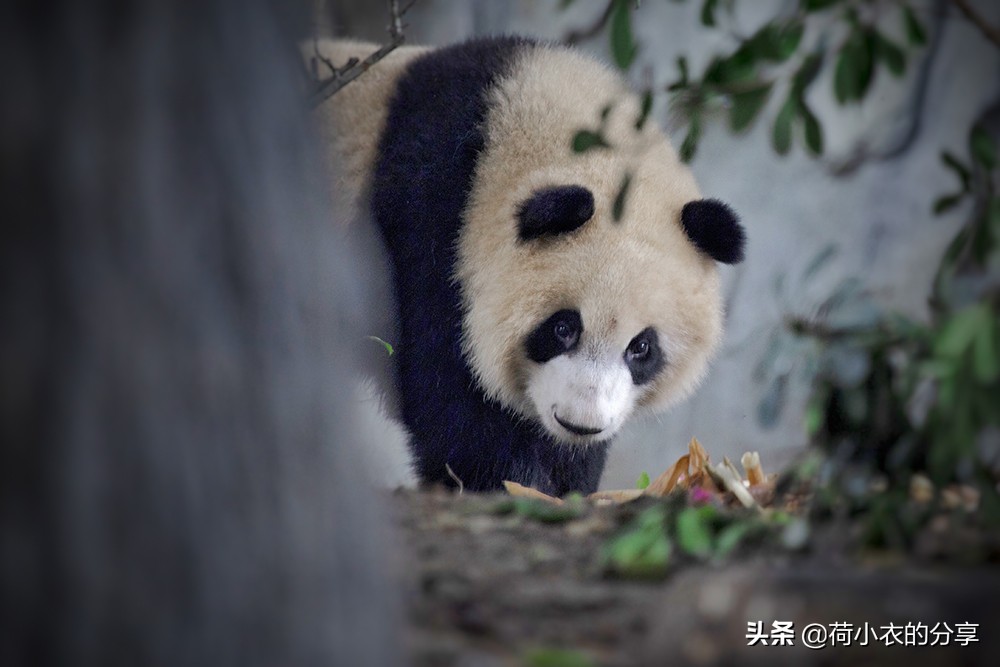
(578, 430)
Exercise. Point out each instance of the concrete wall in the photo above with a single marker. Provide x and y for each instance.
(876, 216)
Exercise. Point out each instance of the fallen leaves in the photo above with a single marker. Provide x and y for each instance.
(693, 472)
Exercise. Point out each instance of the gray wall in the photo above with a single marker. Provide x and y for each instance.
(876, 215)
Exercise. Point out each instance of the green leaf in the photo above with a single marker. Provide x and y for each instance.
(959, 332)
(817, 5)
(814, 418)
(915, 32)
(682, 81)
(947, 202)
(644, 108)
(585, 140)
(960, 169)
(708, 13)
(690, 144)
(746, 106)
(623, 47)
(546, 512)
(776, 42)
(643, 549)
(643, 481)
(557, 657)
(693, 535)
(789, 39)
(807, 73)
(730, 537)
(890, 53)
(985, 356)
(844, 75)
(983, 148)
(853, 72)
(388, 348)
(618, 206)
(782, 137)
(813, 131)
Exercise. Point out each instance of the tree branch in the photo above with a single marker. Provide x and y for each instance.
(353, 69)
(577, 36)
(990, 32)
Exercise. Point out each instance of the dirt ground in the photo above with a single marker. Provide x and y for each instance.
(486, 586)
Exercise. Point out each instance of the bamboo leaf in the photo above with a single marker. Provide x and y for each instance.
(960, 169)
(813, 130)
(891, 54)
(690, 144)
(682, 69)
(585, 140)
(782, 137)
(915, 32)
(817, 5)
(618, 206)
(983, 148)
(985, 358)
(947, 202)
(807, 73)
(746, 106)
(708, 13)
(623, 47)
(644, 108)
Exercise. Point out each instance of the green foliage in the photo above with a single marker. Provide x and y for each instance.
(744, 79)
(643, 480)
(546, 512)
(694, 530)
(643, 550)
(646, 547)
(557, 657)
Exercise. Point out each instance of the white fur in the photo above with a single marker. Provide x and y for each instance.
(589, 390)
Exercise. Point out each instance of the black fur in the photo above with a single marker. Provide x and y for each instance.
(556, 210)
(715, 229)
(646, 365)
(423, 173)
(545, 342)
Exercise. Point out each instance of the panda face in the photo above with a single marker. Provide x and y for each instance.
(575, 317)
(580, 388)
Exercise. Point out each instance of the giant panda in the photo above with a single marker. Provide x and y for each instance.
(530, 324)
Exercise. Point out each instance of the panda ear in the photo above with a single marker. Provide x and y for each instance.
(715, 229)
(554, 210)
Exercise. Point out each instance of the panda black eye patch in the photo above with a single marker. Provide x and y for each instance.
(555, 210)
(558, 334)
(643, 356)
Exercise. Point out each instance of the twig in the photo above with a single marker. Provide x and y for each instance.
(990, 32)
(353, 69)
(451, 473)
(577, 36)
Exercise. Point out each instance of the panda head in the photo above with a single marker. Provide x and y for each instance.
(573, 319)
